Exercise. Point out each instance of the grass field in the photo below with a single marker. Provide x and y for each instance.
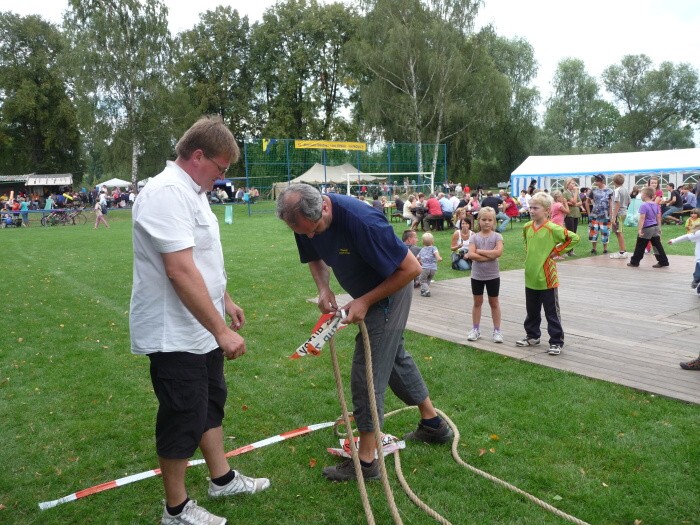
(78, 410)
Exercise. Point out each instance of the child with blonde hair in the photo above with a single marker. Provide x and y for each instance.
(544, 240)
(428, 256)
(485, 247)
(693, 221)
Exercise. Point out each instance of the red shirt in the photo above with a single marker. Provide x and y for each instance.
(433, 206)
(511, 208)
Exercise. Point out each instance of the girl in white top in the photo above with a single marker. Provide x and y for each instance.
(485, 248)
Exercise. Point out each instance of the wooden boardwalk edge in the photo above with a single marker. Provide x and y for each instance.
(611, 334)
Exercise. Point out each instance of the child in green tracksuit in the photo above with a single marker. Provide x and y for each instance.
(544, 240)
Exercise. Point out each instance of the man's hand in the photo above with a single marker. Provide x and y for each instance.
(237, 316)
(326, 301)
(231, 344)
(356, 311)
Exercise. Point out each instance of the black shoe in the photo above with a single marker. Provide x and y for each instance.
(633, 265)
(345, 471)
(441, 434)
(660, 265)
(691, 365)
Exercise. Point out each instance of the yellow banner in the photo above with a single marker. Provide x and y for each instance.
(329, 144)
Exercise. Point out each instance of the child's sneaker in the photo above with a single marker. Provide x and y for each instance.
(527, 342)
(497, 336)
(554, 350)
(619, 255)
(474, 335)
(425, 294)
(694, 284)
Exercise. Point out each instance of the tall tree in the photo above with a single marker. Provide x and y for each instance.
(506, 143)
(120, 49)
(38, 124)
(420, 81)
(576, 116)
(213, 67)
(303, 82)
(659, 106)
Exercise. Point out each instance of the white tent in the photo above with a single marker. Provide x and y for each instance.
(680, 166)
(114, 183)
(320, 174)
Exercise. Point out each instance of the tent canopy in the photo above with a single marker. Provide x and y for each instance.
(320, 174)
(114, 183)
(672, 165)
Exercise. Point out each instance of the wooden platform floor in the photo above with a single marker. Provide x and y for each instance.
(604, 305)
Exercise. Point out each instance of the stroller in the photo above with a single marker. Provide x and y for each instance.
(9, 220)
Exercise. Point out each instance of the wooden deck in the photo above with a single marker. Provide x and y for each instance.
(608, 334)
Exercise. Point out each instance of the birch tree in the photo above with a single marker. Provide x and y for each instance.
(119, 53)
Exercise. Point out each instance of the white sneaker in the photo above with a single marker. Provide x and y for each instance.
(618, 255)
(474, 335)
(239, 485)
(192, 514)
(554, 350)
(497, 336)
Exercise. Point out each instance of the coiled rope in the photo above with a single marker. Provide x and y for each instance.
(397, 461)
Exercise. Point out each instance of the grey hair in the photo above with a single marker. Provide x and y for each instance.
(308, 203)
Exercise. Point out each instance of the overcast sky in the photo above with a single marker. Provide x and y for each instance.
(599, 32)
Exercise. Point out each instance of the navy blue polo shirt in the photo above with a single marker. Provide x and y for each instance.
(360, 245)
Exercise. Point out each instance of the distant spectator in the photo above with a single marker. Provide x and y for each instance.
(673, 204)
(447, 209)
(690, 201)
(599, 209)
(434, 215)
(496, 203)
(621, 201)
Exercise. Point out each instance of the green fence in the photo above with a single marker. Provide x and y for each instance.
(280, 162)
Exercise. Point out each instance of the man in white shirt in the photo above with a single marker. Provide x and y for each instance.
(179, 304)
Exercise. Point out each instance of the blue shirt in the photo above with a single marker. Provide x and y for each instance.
(446, 205)
(359, 244)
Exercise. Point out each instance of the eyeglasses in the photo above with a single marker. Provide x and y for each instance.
(221, 169)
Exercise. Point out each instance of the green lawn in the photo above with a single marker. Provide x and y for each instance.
(77, 408)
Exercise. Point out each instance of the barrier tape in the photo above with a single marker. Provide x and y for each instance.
(156, 472)
(326, 327)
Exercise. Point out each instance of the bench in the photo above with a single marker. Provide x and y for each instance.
(680, 215)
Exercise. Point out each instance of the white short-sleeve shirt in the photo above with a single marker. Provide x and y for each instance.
(171, 214)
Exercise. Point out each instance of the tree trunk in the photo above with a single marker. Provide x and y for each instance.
(135, 164)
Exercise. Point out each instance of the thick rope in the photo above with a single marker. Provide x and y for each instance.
(397, 461)
(377, 428)
(351, 440)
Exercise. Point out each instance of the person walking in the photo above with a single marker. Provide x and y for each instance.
(179, 303)
(100, 214)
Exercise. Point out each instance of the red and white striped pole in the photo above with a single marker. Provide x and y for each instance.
(156, 472)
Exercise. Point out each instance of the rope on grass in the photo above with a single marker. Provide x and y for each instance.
(397, 461)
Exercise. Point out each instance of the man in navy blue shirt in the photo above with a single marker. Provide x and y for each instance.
(377, 270)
